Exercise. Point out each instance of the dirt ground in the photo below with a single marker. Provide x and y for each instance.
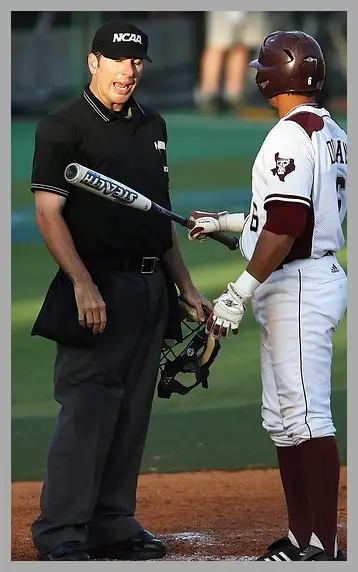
(210, 515)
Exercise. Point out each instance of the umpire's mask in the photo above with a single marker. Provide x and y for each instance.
(194, 355)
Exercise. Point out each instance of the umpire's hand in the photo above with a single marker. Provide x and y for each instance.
(193, 297)
(91, 306)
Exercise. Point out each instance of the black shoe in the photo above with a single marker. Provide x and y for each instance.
(72, 550)
(141, 546)
(282, 550)
(314, 553)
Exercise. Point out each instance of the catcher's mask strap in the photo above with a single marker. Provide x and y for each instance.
(169, 385)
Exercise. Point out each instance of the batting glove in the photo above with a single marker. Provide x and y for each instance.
(204, 223)
(230, 307)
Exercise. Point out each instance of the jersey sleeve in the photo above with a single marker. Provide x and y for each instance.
(54, 149)
(288, 166)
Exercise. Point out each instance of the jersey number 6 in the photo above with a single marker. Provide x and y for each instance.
(340, 186)
(254, 224)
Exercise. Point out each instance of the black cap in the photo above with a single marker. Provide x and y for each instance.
(119, 39)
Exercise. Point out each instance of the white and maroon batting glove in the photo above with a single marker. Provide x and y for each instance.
(230, 307)
(227, 314)
(205, 223)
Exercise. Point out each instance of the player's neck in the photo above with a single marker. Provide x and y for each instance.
(287, 103)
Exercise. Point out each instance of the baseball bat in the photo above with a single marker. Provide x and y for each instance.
(117, 192)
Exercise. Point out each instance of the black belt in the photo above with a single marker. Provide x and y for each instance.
(141, 264)
(280, 266)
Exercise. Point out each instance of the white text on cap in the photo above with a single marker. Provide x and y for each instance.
(126, 37)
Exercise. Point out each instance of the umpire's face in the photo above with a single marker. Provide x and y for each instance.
(113, 81)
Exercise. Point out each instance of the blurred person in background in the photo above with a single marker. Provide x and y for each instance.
(230, 38)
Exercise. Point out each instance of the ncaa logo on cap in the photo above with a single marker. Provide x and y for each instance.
(119, 39)
(126, 37)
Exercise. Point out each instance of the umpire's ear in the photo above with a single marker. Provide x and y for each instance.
(93, 63)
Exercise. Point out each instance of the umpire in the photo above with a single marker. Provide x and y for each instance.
(109, 307)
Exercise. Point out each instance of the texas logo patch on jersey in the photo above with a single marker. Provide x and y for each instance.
(283, 167)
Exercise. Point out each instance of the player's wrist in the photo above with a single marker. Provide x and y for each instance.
(231, 222)
(245, 285)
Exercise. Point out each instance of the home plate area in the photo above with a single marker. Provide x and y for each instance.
(199, 546)
(207, 515)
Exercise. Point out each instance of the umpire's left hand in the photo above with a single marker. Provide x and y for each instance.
(193, 297)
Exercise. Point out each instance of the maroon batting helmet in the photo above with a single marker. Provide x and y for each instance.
(289, 62)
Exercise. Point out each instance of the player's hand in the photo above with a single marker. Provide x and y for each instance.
(227, 313)
(91, 306)
(204, 223)
(198, 302)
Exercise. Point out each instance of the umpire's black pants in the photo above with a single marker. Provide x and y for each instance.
(105, 393)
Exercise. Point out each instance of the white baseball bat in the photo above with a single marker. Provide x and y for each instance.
(117, 192)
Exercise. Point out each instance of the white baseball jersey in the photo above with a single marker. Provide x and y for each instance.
(302, 160)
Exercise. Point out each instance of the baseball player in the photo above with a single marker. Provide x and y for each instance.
(296, 285)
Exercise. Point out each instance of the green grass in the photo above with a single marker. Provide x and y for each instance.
(226, 439)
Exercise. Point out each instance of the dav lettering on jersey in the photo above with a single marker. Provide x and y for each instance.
(127, 37)
(337, 151)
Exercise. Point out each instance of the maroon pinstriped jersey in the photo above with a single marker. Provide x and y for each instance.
(303, 161)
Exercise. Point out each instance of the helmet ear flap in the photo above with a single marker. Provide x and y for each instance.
(314, 74)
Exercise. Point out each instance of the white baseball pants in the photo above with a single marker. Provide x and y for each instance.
(298, 309)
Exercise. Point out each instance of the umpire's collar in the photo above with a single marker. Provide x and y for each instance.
(130, 110)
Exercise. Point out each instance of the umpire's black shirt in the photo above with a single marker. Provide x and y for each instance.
(129, 146)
